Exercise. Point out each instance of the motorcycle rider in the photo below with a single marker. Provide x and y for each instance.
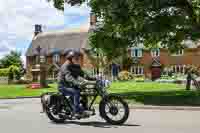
(71, 78)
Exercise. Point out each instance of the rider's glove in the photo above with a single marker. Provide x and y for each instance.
(84, 82)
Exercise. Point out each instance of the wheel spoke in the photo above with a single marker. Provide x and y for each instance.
(122, 112)
(120, 115)
(109, 105)
(107, 110)
(112, 106)
(116, 103)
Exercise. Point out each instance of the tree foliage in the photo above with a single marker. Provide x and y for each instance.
(151, 22)
(124, 23)
(13, 58)
(14, 62)
(13, 72)
(75, 2)
(4, 72)
(59, 4)
(98, 59)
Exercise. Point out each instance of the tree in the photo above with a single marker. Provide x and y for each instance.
(13, 60)
(59, 4)
(75, 2)
(112, 46)
(99, 60)
(151, 22)
(102, 59)
(124, 23)
(13, 73)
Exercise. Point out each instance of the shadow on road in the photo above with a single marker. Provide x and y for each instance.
(97, 124)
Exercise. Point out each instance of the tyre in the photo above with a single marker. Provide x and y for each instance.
(55, 109)
(114, 110)
(54, 115)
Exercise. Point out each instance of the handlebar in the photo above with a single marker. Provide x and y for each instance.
(98, 83)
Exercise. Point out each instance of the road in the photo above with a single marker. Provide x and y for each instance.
(23, 116)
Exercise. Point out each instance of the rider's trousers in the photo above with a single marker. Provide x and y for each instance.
(74, 93)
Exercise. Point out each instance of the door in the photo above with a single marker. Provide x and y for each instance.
(156, 73)
(35, 76)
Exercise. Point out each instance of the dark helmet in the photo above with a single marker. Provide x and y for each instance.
(73, 53)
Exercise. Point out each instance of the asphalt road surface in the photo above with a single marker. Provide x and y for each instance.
(23, 116)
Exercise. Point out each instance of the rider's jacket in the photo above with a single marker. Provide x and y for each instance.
(71, 75)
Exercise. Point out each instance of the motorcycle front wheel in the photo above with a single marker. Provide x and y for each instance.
(114, 110)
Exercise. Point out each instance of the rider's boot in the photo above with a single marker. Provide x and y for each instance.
(81, 113)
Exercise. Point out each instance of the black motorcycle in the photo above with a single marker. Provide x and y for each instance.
(113, 109)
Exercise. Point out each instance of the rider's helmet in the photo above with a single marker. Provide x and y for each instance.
(72, 53)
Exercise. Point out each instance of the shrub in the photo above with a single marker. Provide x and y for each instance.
(4, 72)
(13, 72)
(125, 75)
(21, 81)
(140, 79)
(166, 77)
(178, 82)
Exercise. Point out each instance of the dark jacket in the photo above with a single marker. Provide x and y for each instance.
(69, 75)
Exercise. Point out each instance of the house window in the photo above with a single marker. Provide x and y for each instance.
(178, 53)
(137, 70)
(179, 68)
(56, 58)
(136, 52)
(155, 52)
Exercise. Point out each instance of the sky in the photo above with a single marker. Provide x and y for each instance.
(17, 20)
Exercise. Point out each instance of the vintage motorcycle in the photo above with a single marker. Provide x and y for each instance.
(113, 109)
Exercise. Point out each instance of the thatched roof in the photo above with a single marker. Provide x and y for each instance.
(59, 41)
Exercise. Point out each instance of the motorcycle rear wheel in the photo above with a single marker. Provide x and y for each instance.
(51, 115)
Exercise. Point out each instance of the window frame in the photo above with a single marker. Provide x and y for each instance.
(179, 69)
(179, 53)
(137, 70)
(155, 52)
(139, 52)
(56, 58)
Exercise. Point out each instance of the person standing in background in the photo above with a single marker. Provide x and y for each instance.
(115, 71)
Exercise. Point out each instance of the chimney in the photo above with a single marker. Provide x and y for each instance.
(93, 19)
(38, 29)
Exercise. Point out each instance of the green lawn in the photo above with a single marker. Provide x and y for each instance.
(157, 93)
(141, 93)
(125, 87)
(13, 91)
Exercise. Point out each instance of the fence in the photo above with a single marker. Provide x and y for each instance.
(102, 74)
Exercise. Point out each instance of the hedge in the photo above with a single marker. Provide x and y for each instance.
(10, 72)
